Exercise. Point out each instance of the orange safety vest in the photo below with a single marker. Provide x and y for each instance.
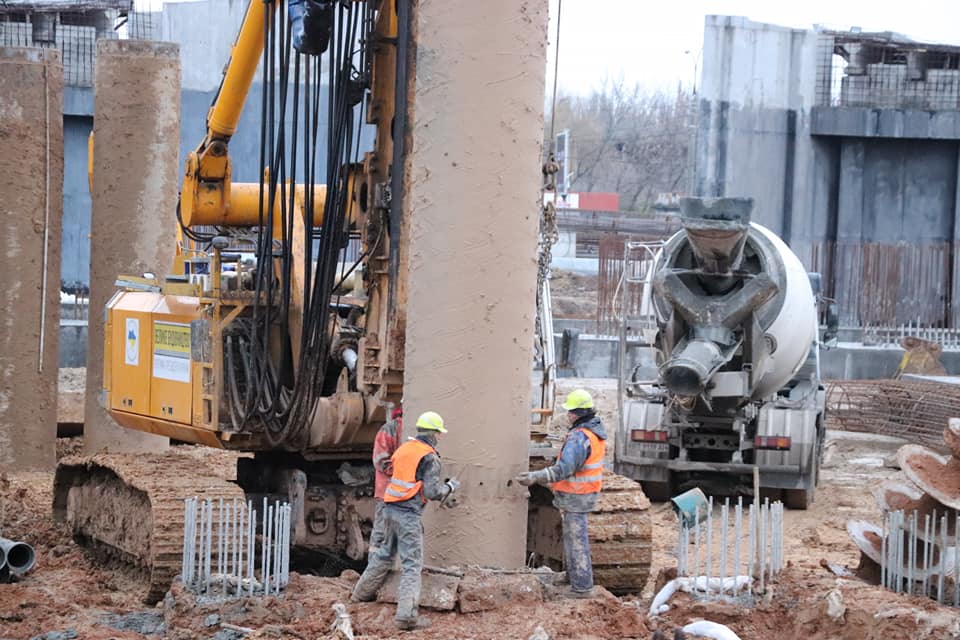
(589, 477)
(404, 484)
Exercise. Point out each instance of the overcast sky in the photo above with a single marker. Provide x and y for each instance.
(658, 43)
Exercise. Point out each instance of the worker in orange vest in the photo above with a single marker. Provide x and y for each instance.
(576, 479)
(415, 480)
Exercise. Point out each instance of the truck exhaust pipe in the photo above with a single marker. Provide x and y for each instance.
(19, 556)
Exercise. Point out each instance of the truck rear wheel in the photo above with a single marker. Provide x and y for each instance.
(799, 499)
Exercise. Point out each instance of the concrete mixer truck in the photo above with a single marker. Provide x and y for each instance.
(731, 381)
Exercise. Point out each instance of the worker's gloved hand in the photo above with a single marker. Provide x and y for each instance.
(453, 484)
(527, 478)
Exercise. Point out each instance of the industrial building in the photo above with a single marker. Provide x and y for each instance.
(848, 141)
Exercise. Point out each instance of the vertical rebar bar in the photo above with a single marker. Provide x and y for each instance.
(227, 546)
(902, 553)
(251, 543)
(912, 541)
(884, 561)
(774, 539)
(943, 554)
(186, 544)
(220, 539)
(696, 547)
(241, 545)
(263, 546)
(284, 547)
(278, 517)
(206, 583)
(201, 544)
(956, 561)
(709, 571)
(752, 531)
(762, 554)
(778, 565)
(680, 570)
(286, 544)
(268, 567)
(737, 531)
(724, 516)
(925, 583)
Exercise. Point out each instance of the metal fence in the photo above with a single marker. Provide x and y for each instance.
(741, 542)
(75, 34)
(884, 284)
(220, 548)
(922, 557)
(881, 71)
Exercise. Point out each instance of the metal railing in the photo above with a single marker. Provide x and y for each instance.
(220, 549)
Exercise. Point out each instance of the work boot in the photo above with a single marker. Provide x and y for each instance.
(569, 592)
(410, 624)
(362, 597)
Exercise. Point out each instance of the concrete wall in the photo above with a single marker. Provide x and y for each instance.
(865, 195)
(752, 140)
(75, 265)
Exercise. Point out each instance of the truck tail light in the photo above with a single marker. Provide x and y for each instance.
(778, 443)
(643, 435)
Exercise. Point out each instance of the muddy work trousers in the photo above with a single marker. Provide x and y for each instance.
(576, 551)
(403, 535)
(377, 534)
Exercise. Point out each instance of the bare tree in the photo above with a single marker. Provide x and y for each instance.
(626, 141)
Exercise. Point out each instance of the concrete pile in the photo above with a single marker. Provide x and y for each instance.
(919, 542)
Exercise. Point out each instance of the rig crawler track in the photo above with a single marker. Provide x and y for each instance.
(130, 508)
(620, 534)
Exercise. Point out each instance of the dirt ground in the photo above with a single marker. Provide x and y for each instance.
(69, 596)
(574, 295)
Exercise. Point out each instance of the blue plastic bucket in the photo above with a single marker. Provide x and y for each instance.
(691, 507)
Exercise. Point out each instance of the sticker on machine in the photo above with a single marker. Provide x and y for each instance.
(131, 352)
(171, 351)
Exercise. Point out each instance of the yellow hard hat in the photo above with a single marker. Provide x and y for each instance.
(578, 399)
(431, 421)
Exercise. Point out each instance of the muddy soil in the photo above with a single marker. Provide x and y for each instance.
(70, 595)
(574, 295)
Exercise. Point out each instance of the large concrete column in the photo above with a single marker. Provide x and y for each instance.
(471, 197)
(31, 166)
(133, 220)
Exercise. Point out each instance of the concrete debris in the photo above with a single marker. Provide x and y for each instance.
(68, 634)
(474, 589)
(539, 634)
(835, 607)
(836, 569)
(146, 623)
(342, 625)
(227, 628)
(709, 629)
(483, 591)
(437, 591)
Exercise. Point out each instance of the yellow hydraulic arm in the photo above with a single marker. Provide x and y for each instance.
(208, 196)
